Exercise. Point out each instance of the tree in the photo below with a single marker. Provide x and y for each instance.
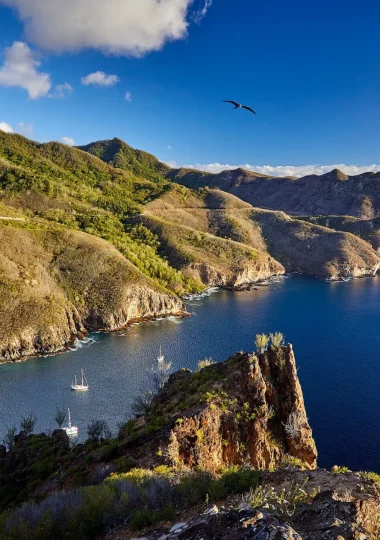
(9, 438)
(28, 423)
(142, 402)
(98, 429)
(60, 417)
(261, 342)
(277, 339)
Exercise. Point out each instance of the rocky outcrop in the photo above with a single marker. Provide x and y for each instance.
(344, 507)
(248, 410)
(225, 524)
(234, 279)
(57, 285)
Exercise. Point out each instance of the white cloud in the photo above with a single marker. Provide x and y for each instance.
(99, 78)
(128, 97)
(7, 128)
(25, 128)
(68, 140)
(282, 170)
(126, 27)
(20, 68)
(62, 89)
(198, 15)
(170, 147)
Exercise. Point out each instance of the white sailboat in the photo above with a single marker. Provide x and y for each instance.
(160, 357)
(83, 387)
(72, 431)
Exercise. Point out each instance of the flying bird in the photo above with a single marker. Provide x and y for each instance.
(238, 106)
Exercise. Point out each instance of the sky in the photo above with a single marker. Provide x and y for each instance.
(155, 73)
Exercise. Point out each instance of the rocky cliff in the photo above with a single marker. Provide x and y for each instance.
(225, 452)
(248, 410)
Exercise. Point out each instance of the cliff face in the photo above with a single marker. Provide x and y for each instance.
(58, 284)
(247, 410)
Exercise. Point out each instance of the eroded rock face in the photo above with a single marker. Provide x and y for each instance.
(236, 279)
(247, 410)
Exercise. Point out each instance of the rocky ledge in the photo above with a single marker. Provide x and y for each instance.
(248, 410)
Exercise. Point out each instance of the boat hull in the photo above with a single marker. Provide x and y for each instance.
(71, 431)
(79, 388)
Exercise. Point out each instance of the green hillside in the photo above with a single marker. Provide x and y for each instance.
(117, 153)
(56, 183)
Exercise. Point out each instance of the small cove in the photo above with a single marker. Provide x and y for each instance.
(334, 328)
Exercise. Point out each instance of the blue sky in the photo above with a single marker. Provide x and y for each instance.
(311, 70)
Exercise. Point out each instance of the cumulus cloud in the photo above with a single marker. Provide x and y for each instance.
(128, 97)
(127, 27)
(282, 170)
(25, 128)
(68, 140)
(7, 128)
(99, 78)
(20, 68)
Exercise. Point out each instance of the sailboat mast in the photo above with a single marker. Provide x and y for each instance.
(69, 422)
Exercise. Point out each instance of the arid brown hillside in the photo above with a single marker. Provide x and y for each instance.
(297, 244)
(333, 193)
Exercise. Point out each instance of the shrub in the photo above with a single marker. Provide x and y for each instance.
(291, 462)
(208, 361)
(337, 469)
(261, 342)
(98, 429)
(368, 475)
(293, 425)
(28, 423)
(282, 504)
(277, 340)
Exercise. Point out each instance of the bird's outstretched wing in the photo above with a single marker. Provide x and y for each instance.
(229, 101)
(248, 108)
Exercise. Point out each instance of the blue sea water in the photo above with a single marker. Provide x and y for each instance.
(334, 328)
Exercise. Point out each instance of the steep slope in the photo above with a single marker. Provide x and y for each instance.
(56, 284)
(213, 261)
(331, 193)
(299, 245)
(367, 229)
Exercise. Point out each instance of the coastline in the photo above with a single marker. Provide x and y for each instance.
(72, 343)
